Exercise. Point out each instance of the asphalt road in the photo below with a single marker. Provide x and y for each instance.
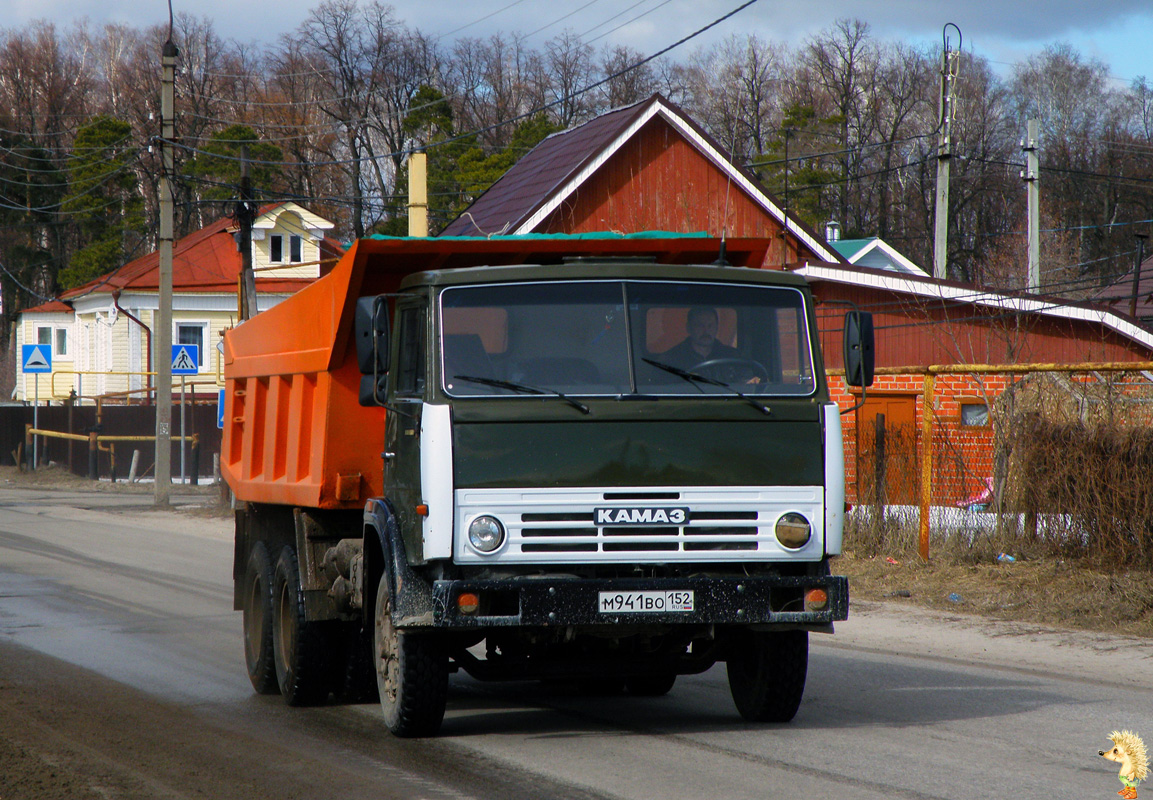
(122, 675)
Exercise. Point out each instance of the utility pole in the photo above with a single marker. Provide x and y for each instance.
(949, 64)
(418, 193)
(1031, 176)
(788, 132)
(1140, 237)
(164, 327)
(245, 216)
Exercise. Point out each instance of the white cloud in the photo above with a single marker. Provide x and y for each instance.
(1115, 30)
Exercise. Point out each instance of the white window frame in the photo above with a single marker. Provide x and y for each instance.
(276, 242)
(54, 339)
(205, 328)
(295, 248)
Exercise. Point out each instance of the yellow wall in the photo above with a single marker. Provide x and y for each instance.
(26, 333)
(287, 223)
(98, 369)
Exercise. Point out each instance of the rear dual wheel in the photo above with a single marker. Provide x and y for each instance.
(304, 660)
(299, 647)
(257, 609)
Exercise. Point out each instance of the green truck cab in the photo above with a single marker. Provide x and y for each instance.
(581, 494)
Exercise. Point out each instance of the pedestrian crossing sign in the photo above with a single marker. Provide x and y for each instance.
(185, 359)
(36, 358)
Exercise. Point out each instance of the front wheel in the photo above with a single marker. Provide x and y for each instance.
(767, 674)
(411, 674)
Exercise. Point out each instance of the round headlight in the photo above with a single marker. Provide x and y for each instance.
(793, 530)
(486, 533)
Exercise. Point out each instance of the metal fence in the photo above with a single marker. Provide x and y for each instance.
(982, 423)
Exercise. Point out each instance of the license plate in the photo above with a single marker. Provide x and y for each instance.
(645, 602)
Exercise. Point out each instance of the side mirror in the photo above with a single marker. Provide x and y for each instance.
(371, 331)
(859, 348)
(372, 389)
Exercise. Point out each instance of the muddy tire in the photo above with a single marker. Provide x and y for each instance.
(767, 674)
(411, 674)
(656, 685)
(257, 620)
(354, 675)
(299, 647)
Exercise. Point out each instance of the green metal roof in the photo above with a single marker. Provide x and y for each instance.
(603, 268)
(849, 247)
(529, 237)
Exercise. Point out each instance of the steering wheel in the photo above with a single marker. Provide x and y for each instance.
(740, 372)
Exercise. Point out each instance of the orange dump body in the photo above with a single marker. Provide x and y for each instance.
(294, 430)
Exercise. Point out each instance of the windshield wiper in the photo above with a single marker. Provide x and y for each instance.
(693, 377)
(522, 387)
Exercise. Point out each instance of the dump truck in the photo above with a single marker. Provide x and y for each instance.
(506, 457)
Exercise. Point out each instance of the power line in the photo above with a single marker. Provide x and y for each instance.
(577, 10)
(517, 118)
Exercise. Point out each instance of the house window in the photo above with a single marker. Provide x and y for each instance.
(193, 333)
(276, 248)
(56, 338)
(295, 249)
(974, 415)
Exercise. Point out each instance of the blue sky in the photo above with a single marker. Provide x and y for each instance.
(1119, 32)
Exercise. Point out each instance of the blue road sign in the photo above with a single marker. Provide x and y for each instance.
(185, 359)
(220, 410)
(36, 358)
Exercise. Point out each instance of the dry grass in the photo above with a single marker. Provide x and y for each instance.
(1048, 591)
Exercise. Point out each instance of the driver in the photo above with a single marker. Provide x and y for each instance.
(701, 344)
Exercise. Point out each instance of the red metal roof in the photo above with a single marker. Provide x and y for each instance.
(51, 307)
(203, 261)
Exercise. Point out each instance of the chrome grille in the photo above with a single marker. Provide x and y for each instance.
(558, 525)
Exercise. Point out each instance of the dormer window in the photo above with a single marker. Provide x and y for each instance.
(276, 249)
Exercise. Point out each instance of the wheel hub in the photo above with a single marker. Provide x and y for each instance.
(387, 663)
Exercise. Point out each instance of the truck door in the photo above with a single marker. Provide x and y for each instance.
(407, 382)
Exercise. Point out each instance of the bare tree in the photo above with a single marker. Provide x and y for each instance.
(347, 43)
(903, 109)
(626, 85)
(1082, 121)
(840, 67)
(736, 90)
(569, 69)
(495, 80)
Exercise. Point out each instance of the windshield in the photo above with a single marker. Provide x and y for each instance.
(576, 338)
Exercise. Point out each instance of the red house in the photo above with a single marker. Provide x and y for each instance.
(650, 167)
(639, 168)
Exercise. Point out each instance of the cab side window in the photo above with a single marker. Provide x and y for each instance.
(410, 366)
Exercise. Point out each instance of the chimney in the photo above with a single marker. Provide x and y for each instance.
(832, 231)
